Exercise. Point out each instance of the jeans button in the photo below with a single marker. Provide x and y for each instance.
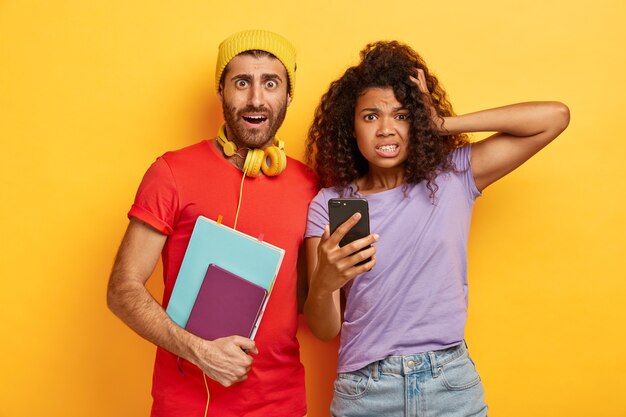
(411, 364)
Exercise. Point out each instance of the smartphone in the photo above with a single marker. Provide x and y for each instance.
(340, 210)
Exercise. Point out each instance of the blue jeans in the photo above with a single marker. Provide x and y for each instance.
(442, 383)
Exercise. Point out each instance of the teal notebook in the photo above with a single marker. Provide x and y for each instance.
(236, 252)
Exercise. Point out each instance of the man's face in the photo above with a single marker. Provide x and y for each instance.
(254, 99)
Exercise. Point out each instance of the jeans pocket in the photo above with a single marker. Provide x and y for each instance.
(352, 385)
(459, 374)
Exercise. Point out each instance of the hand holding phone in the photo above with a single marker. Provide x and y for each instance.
(340, 210)
(333, 264)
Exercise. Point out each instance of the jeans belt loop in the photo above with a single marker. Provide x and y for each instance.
(374, 369)
(434, 366)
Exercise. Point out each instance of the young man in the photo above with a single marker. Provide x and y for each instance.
(255, 81)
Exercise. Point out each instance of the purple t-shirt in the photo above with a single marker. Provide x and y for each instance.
(415, 299)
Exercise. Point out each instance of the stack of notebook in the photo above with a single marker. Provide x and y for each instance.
(224, 282)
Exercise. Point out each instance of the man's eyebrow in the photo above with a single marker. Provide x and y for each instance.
(250, 77)
(273, 76)
(247, 77)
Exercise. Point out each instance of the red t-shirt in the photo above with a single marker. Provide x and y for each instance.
(197, 180)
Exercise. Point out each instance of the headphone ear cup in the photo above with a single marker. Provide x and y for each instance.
(278, 161)
(254, 160)
(229, 148)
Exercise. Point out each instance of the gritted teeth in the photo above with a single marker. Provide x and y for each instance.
(387, 148)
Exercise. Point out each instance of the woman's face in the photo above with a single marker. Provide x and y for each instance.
(381, 127)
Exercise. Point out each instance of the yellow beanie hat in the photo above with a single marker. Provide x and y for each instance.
(262, 40)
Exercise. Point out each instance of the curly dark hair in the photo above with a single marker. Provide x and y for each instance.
(331, 145)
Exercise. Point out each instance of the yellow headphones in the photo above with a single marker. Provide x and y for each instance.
(256, 159)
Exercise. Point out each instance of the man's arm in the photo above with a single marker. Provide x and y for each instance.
(222, 360)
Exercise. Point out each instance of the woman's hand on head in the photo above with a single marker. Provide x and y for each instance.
(420, 82)
(422, 86)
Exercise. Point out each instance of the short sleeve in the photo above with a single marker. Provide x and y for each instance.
(318, 216)
(461, 160)
(156, 202)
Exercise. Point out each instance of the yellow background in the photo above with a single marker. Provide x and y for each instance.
(92, 91)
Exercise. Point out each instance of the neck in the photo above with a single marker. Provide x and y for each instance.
(237, 160)
(378, 180)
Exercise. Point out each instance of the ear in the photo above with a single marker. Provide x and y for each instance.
(288, 99)
(220, 94)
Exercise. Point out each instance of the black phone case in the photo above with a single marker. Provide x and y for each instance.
(340, 210)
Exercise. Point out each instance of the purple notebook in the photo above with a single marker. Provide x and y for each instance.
(226, 305)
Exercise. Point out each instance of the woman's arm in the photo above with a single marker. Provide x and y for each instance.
(329, 268)
(322, 307)
(523, 130)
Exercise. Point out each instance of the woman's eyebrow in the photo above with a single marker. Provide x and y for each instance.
(375, 109)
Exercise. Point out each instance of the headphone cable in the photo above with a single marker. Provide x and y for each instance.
(243, 178)
(206, 385)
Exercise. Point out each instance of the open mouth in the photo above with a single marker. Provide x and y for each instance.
(255, 119)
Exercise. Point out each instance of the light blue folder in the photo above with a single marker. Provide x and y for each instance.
(213, 243)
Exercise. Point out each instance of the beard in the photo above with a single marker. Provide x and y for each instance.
(245, 137)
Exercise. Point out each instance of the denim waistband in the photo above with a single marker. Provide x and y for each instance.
(420, 362)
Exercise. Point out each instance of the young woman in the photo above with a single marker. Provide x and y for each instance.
(386, 132)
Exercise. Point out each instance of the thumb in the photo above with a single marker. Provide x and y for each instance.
(245, 344)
